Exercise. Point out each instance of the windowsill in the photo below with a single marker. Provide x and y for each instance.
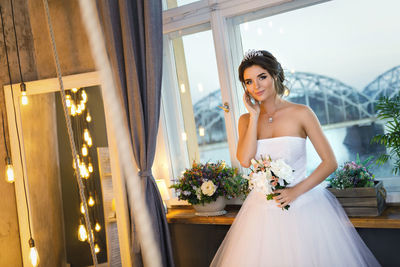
(390, 217)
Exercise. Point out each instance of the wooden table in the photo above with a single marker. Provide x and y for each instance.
(390, 218)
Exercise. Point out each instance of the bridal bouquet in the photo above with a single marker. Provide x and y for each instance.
(268, 175)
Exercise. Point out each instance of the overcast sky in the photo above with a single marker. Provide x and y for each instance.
(353, 41)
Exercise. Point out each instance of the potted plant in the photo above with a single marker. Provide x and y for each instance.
(357, 190)
(207, 185)
(389, 109)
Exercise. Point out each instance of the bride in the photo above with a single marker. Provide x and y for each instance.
(315, 231)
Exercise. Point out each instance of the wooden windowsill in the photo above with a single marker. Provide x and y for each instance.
(390, 217)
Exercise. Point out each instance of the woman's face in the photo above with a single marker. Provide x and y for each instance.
(259, 83)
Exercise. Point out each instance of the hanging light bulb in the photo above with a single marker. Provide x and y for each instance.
(97, 227)
(96, 248)
(90, 167)
(33, 253)
(78, 110)
(82, 208)
(91, 201)
(88, 117)
(83, 170)
(9, 170)
(73, 109)
(89, 142)
(82, 234)
(82, 106)
(24, 97)
(84, 96)
(68, 101)
(74, 90)
(86, 134)
(84, 150)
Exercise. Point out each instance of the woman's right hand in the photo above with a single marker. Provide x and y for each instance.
(253, 109)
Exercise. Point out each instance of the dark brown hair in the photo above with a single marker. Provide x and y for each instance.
(268, 62)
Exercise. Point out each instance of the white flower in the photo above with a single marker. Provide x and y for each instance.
(186, 193)
(208, 188)
(282, 170)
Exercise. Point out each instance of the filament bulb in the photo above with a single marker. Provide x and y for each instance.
(97, 227)
(68, 100)
(33, 253)
(9, 171)
(84, 150)
(86, 134)
(82, 234)
(84, 96)
(91, 201)
(24, 98)
(82, 208)
(75, 90)
(90, 167)
(73, 109)
(96, 248)
(89, 142)
(88, 117)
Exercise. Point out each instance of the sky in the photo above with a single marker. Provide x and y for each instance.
(353, 41)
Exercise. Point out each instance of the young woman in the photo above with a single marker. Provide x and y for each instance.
(314, 231)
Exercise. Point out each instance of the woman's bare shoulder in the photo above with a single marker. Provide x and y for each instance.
(244, 118)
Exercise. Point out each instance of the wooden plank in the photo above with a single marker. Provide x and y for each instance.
(361, 211)
(358, 201)
(357, 192)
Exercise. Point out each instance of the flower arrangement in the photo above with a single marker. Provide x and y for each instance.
(353, 174)
(268, 175)
(205, 182)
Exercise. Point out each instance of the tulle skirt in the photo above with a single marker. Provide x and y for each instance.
(315, 231)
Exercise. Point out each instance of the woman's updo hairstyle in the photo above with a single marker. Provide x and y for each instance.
(267, 61)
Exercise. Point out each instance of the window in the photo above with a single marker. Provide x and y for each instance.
(339, 56)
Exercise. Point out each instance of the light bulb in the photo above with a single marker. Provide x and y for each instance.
(86, 134)
(68, 101)
(9, 171)
(84, 96)
(24, 98)
(91, 201)
(90, 167)
(96, 248)
(79, 110)
(83, 106)
(97, 227)
(82, 234)
(84, 150)
(89, 142)
(88, 117)
(82, 208)
(83, 170)
(33, 253)
(73, 109)
(75, 90)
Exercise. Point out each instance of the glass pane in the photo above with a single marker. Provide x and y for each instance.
(339, 67)
(168, 4)
(200, 97)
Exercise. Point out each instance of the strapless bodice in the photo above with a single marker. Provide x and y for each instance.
(291, 149)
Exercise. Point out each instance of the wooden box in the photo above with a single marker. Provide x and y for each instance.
(362, 201)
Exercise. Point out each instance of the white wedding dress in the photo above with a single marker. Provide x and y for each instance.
(315, 231)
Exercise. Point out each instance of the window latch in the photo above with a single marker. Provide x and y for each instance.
(225, 107)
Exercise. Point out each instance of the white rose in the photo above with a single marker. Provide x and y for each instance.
(208, 188)
(282, 170)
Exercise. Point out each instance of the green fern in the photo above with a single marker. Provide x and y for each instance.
(389, 109)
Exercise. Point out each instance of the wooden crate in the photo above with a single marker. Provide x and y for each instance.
(363, 201)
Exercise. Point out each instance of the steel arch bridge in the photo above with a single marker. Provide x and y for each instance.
(334, 102)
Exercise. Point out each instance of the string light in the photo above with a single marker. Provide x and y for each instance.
(97, 227)
(86, 134)
(84, 150)
(84, 96)
(68, 100)
(82, 208)
(9, 171)
(88, 117)
(73, 109)
(89, 142)
(96, 248)
(33, 253)
(90, 167)
(91, 201)
(74, 90)
(82, 233)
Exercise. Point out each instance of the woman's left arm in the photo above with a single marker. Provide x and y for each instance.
(328, 165)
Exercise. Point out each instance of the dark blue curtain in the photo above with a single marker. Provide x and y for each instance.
(133, 34)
